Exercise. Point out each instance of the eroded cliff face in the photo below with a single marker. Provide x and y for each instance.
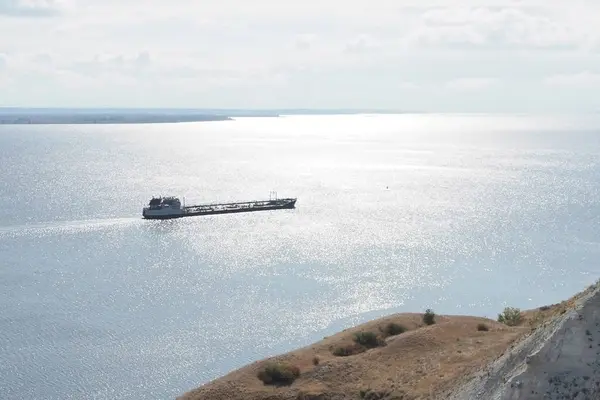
(559, 360)
(553, 353)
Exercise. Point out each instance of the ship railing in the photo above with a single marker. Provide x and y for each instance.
(240, 203)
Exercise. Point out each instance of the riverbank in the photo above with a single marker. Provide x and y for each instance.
(406, 356)
(103, 117)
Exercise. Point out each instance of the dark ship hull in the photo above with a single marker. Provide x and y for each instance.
(223, 208)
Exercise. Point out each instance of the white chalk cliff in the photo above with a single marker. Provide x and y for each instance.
(558, 360)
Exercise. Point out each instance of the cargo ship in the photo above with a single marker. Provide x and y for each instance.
(171, 207)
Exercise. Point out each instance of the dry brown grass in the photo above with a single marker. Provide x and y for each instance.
(421, 363)
(421, 360)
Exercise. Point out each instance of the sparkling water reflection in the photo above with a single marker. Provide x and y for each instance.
(458, 213)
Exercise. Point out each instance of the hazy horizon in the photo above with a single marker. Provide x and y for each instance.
(431, 56)
(332, 110)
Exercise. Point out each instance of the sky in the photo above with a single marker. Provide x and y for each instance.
(437, 56)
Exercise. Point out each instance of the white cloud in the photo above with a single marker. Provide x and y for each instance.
(581, 79)
(31, 7)
(42, 58)
(313, 53)
(362, 43)
(470, 84)
(110, 65)
(4, 78)
(499, 27)
(304, 41)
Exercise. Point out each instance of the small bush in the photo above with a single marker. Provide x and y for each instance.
(482, 327)
(278, 374)
(429, 317)
(342, 351)
(362, 342)
(510, 316)
(348, 350)
(316, 360)
(367, 339)
(393, 329)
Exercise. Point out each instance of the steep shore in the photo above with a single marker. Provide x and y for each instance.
(560, 359)
(550, 351)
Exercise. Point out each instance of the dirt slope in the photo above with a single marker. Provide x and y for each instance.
(420, 363)
(548, 354)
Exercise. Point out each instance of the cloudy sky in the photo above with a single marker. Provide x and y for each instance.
(442, 55)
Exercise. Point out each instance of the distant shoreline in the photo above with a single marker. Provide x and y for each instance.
(39, 116)
(104, 119)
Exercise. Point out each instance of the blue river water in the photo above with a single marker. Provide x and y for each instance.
(464, 214)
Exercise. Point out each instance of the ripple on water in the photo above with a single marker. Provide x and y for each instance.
(394, 213)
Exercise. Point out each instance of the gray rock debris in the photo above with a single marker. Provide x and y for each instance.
(560, 360)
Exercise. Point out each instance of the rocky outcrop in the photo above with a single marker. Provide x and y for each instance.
(558, 360)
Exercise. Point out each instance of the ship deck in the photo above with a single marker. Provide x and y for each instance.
(244, 206)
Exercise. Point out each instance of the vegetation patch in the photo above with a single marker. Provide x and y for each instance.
(370, 394)
(482, 327)
(510, 316)
(537, 319)
(367, 339)
(362, 342)
(393, 329)
(278, 374)
(429, 317)
(348, 350)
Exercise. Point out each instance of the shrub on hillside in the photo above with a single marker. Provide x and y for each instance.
(367, 339)
(510, 316)
(370, 394)
(278, 374)
(429, 317)
(362, 342)
(348, 350)
(482, 327)
(393, 329)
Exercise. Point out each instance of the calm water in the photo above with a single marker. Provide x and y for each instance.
(464, 214)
